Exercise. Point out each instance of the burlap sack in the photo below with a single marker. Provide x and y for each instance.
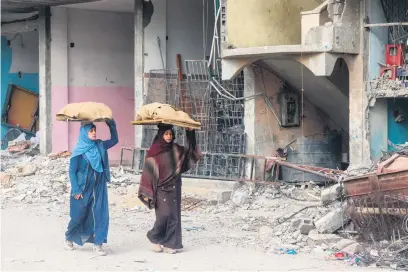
(85, 111)
(156, 113)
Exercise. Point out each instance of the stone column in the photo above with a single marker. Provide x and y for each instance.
(359, 144)
(139, 70)
(44, 36)
(59, 75)
(249, 116)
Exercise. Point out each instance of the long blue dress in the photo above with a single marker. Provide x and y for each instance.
(88, 173)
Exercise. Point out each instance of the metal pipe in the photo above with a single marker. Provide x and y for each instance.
(241, 180)
(387, 24)
(215, 154)
(270, 106)
(215, 29)
(298, 167)
(230, 98)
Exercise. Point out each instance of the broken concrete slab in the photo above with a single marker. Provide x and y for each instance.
(296, 235)
(316, 239)
(240, 196)
(296, 223)
(331, 193)
(28, 170)
(306, 226)
(224, 197)
(23, 170)
(332, 221)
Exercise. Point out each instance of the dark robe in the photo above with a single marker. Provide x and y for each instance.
(160, 187)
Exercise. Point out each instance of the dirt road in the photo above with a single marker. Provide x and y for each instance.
(32, 238)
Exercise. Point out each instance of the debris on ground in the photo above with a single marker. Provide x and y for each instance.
(333, 220)
(280, 218)
(43, 179)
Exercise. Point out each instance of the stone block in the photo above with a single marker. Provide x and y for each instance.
(296, 223)
(224, 197)
(240, 196)
(304, 225)
(330, 194)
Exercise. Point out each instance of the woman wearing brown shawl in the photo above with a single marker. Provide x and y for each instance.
(160, 186)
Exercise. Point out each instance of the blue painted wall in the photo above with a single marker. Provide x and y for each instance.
(28, 80)
(397, 132)
(378, 37)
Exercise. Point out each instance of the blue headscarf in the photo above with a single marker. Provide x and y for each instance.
(88, 147)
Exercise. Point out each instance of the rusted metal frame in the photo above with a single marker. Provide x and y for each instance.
(379, 211)
(252, 157)
(387, 182)
(217, 154)
(262, 182)
(212, 156)
(303, 169)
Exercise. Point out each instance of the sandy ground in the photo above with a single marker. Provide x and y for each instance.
(32, 239)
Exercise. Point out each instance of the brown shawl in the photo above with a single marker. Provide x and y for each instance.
(165, 168)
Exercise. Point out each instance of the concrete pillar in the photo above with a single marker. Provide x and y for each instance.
(59, 75)
(139, 68)
(359, 144)
(249, 114)
(44, 33)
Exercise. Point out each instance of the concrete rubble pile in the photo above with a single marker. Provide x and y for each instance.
(279, 218)
(40, 179)
(287, 218)
(394, 161)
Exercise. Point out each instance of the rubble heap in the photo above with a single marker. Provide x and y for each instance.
(41, 179)
(280, 218)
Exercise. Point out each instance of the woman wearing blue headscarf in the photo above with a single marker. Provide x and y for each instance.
(88, 173)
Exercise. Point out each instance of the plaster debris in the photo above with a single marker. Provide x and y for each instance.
(241, 196)
(41, 179)
(263, 217)
(331, 193)
(333, 220)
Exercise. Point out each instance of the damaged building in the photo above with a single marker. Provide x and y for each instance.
(308, 97)
(327, 90)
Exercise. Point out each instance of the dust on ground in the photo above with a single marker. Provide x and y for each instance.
(251, 228)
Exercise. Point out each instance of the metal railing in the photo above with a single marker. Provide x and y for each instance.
(220, 166)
